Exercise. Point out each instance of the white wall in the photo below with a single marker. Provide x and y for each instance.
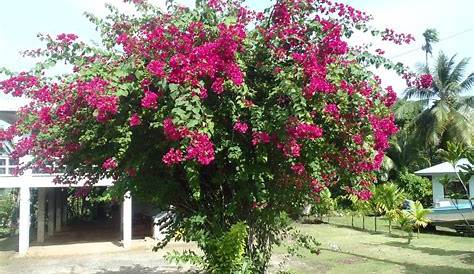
(438, 190)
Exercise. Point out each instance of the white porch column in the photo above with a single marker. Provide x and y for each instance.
(24, 236)
(127, 220)
(41, 212)
(438, 190)
(51, 206)
(471, 187)
(59, 205)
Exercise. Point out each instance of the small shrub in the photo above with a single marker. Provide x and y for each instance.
(416, 188)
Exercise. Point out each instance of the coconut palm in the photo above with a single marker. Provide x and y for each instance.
(449, 117)
(389, 200)
(430, 36)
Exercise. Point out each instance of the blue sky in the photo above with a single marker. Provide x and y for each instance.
(21, 20)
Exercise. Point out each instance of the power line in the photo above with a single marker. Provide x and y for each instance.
(441, 40)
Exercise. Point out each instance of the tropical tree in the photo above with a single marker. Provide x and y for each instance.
(430, 36)
(389, 201)
(419, 215)
(414, 217)
(449, 116)
(406, 223)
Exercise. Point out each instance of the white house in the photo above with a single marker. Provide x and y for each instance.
(51, 203)
(441, 192)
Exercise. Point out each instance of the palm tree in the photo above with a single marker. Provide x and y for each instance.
(389, 200)
(431, 36)
(414, 217)
(406, 223)
(419, 216)
(449, 116)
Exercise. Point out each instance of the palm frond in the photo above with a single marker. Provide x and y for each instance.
(467, 83)
(458, 71)
(443, 68)
(404, 109)
(421, 93)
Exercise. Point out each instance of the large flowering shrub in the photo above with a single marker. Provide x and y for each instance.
(228, 115)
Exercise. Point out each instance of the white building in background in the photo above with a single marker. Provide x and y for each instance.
(441, 192)
(51, 200)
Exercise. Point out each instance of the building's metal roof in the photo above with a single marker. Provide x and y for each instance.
(444, 168)
(8, 116)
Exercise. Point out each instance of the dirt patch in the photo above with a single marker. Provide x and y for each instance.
(352, 260)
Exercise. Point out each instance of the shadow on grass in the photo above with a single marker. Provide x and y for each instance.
(371, 232)
(139, 269)
(467, 256)
(412, 268)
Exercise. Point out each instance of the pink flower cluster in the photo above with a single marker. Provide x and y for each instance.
(150, 100)
(241, 127)
(157, 68)
(173, 156)
(332, 43)
(44, 115)
(383, 128)
(332, 110)
(94, 92)
(135, 120)
(24, 147)
(305, 131)
(343, 11)
(298, 168)
(397, 38)
(18, 85)
(109, 164)
(316, 186)
(291, 148)
(196, 55)
(390, 97)
(424, 81)
(364, 194)
(260, 137)
(200, 149)
(66, 38)
(172, 132)
(63, 112)
(281, 15)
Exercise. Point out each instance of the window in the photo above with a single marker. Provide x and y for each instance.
(7, 166)
(455, 189)
(3, 166)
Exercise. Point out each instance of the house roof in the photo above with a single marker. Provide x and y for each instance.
(444, 168)
(8, 116)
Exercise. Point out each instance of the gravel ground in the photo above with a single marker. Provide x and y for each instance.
(88, 258)
(133, 262)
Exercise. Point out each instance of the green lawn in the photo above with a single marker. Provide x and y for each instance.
(347, 250)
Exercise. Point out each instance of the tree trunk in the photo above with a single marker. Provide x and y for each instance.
(389, 226)
(352, 220)
(375, 223)
(363, 222)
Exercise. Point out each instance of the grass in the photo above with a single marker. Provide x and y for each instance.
(353, 250)
(347, 250)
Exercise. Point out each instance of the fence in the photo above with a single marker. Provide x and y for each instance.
(373, 224)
